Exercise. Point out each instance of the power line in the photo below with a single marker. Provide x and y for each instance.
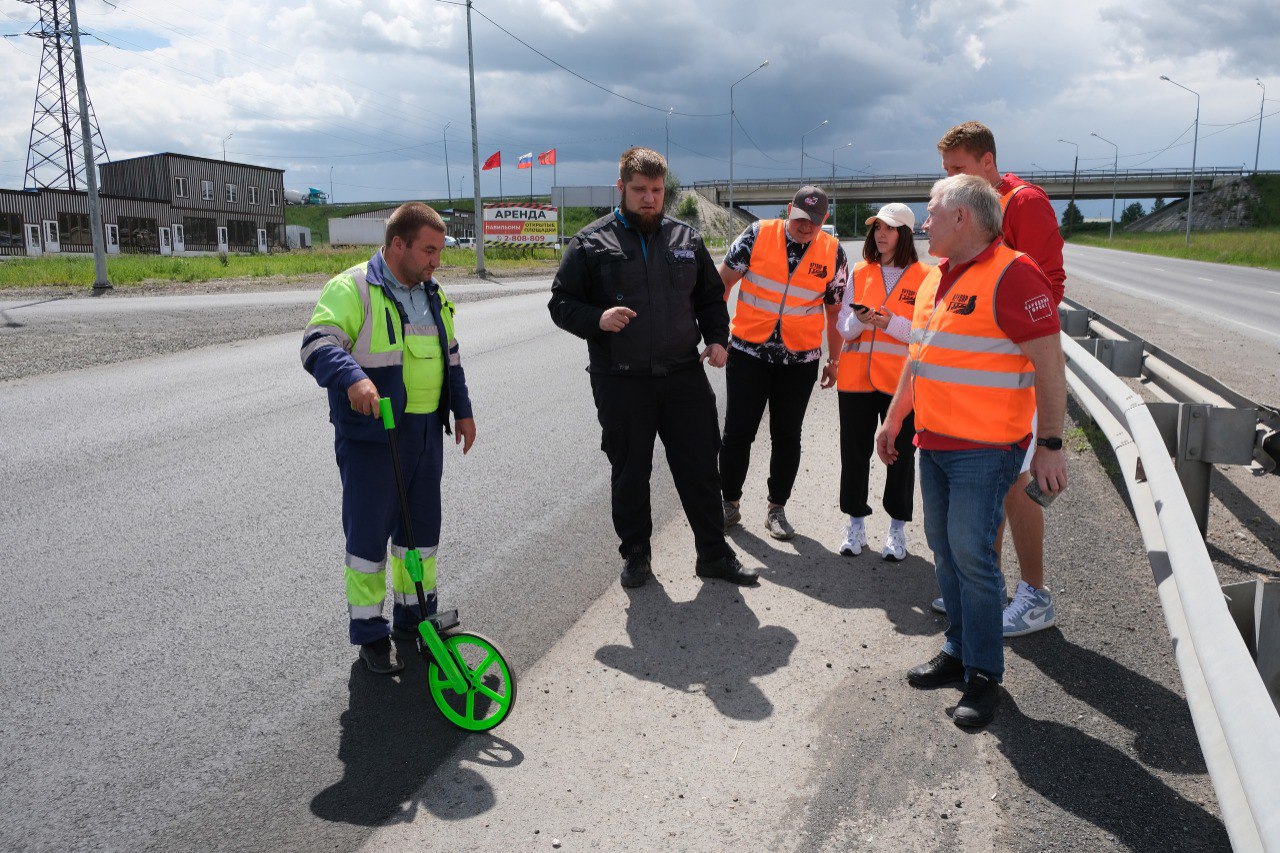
(590, 82)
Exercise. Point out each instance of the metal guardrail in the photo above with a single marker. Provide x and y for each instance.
(1041, 176)
(1235, 717)
(1203, 421)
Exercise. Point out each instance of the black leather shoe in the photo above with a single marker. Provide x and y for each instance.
(942, 669)
(636, 571)
(380, 657)
(728, 568)
(978, 705)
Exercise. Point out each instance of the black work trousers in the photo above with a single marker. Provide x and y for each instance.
(680, 408)
(753, 383)
(861, 413)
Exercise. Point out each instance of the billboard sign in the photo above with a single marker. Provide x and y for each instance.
(520, 224)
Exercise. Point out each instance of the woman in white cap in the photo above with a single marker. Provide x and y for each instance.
(875, 322)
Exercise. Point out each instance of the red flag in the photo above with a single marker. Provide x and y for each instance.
(547, 158)
(494, 162)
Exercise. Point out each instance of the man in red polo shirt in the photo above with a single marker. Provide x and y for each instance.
(1030, 227)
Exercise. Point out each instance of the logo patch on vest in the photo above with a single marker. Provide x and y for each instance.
(907, 296)
(817, 269)
(1039, 308)
(962, 304)
(682, 254)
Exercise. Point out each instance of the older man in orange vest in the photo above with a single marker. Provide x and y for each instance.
(985, 352)
(1029, 226)
(793, 277)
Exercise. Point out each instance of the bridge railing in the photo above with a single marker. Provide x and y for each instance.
(916, 179)
(1235, 717)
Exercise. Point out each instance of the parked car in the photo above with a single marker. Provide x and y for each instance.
(830, 229)
(465, 242)
(450, 242)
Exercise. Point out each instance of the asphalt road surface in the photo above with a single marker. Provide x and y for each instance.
(176, 673)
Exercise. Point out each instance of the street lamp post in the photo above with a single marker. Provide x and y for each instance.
(330, 185)
(1075, 168)
(666, 124)
(448, 180)
(802, 136)
(1262, 107)
(224, 146)
(1191, 191)
(729, 223)
(834, 220)
(1114, 166)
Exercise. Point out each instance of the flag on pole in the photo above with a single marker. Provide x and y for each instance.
(547, 158)
(525, 161)
(494, 162)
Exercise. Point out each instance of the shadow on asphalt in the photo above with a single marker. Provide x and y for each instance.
(1101, 785)
(902, 590)
(393, 738)
(1160, 720)
(714, 645)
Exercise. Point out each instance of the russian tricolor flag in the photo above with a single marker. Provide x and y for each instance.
(525, 161)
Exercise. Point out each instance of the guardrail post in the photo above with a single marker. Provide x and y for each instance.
(1189, 460)
(1255, 608)
(1074, 321)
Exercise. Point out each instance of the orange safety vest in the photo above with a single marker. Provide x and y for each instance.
(874, 360)
(770, 293)
(1007, 197)
(969, 380)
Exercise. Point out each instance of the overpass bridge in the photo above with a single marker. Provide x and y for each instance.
(1093, 184)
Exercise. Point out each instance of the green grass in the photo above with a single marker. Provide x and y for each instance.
(125, 270)
(1246, 247)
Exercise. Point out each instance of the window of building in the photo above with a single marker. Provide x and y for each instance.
(12, 241)
(181, 187)
(206, 190)
(253, 195)
(242, 234)
(233, 193)
(273, 197)
(75, 230)
(201, 233)
(139, 234)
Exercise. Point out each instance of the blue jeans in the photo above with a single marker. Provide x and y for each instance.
(963, 493)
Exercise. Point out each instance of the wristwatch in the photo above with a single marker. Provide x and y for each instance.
(1049, 443)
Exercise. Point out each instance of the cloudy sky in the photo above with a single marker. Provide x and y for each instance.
(361, 90)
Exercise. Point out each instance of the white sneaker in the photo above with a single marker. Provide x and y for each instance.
(855, 539)
(895, 545)
(1031, 610)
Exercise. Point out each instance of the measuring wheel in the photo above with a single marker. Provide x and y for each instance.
(491, 687)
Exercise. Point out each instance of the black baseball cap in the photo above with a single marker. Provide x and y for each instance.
(810, 203)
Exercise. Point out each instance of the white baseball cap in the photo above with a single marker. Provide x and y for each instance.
(895, 215)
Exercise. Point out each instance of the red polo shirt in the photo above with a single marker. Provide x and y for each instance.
(1031, 227)
(1022, 313)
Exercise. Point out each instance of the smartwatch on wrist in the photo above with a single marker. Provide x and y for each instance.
(1049, 443)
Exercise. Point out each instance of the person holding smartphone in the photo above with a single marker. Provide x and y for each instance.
(875, 322)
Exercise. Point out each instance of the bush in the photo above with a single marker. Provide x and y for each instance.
(688, 207)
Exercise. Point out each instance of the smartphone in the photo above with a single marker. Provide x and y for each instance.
(1036, 494)
(857, 307)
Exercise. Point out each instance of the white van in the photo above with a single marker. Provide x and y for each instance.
(830, 229)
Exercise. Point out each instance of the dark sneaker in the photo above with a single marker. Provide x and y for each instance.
(732, 514)
(942, 669)
(636, 571)
(380, 657)
(777, 525)
(977, 706)
(727, 568)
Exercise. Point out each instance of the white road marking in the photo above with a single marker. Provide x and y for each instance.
(1198, 310)
(1202, 278)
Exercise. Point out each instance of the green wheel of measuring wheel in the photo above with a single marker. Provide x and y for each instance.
(491, 688)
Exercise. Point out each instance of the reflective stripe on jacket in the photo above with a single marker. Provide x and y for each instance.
(874, 360)
(970, 381)
(361, 318)
(770, 293)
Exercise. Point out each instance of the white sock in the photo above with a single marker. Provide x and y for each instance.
(895, 524)
(855, 522)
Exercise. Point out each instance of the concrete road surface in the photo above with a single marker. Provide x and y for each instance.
(176, 673)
